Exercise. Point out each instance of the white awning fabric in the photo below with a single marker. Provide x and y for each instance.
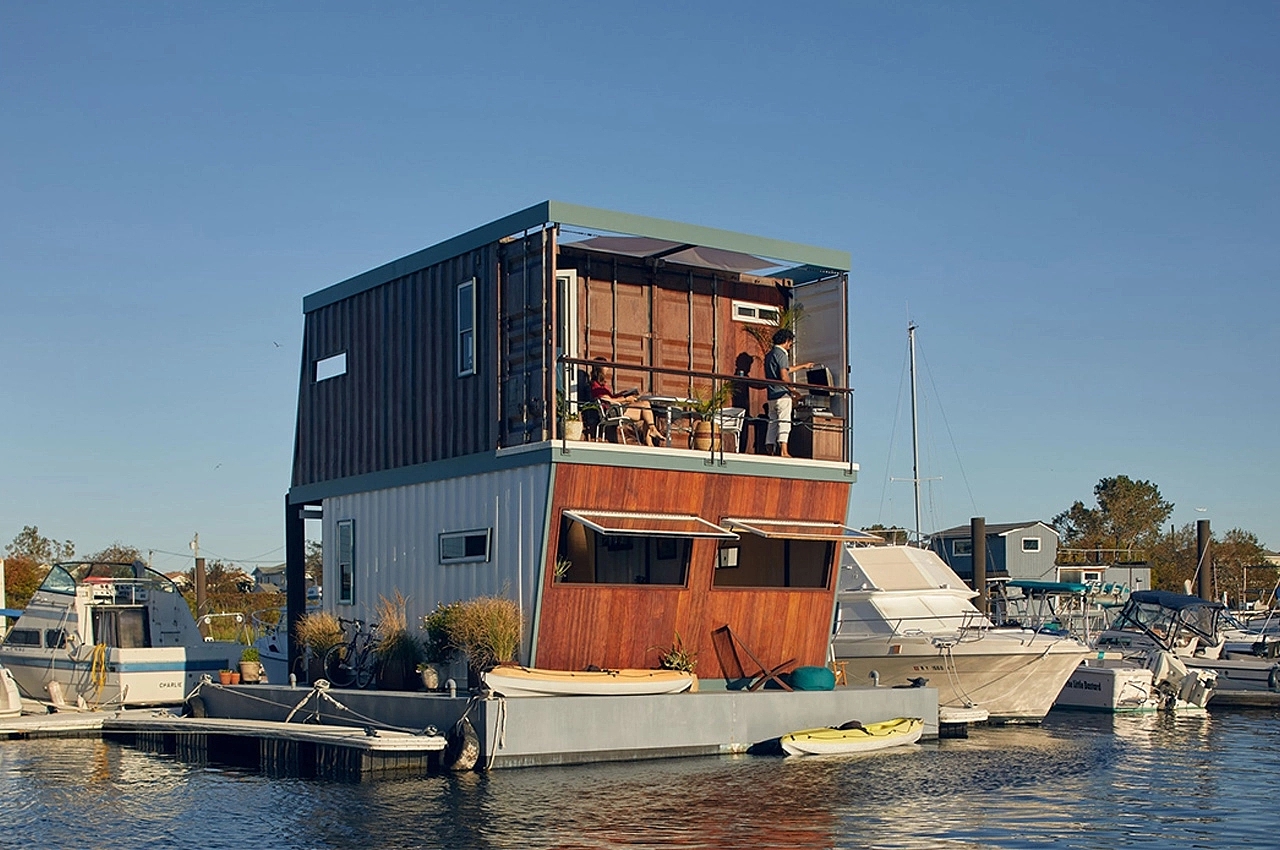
(796, 529)
(649, 525)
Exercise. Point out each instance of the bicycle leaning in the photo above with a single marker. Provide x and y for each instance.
(352, 662)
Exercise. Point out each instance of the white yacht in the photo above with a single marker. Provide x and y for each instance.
(903, 615)
(1195, 630)
(97, 635)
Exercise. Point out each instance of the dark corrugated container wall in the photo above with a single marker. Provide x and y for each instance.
(401, 401)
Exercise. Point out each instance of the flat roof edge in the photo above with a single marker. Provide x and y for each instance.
(590, 218)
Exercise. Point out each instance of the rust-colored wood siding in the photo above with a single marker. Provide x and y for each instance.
(618, 625)
(401, 401)
(668, 316)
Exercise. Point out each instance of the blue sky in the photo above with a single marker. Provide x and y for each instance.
(1077, 203)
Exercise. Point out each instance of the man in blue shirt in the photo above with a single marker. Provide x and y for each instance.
(777, 367)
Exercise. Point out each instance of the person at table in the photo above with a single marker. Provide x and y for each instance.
(637, 409)
(777, 367)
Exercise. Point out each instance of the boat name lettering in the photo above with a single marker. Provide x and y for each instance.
(1084, 686)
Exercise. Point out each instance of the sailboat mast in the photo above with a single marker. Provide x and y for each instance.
(915, 431)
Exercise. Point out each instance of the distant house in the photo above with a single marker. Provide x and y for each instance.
(1015, 550)
(270, 579)
(181, 578)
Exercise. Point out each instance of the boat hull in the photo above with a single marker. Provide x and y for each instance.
(1015, 679)
(535, 682)
(860, 739)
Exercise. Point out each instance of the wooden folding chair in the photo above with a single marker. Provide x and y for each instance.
(727, 644)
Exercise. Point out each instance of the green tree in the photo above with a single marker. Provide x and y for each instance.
(1240, 567)
(1128, 514)
(315, 562)
(30, 543)
(22, 578)
(1173, 559)
(116, 553)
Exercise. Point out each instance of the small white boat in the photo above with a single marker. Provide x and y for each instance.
(101, 634)
(10, 699)
(854, 737)
(535, 682)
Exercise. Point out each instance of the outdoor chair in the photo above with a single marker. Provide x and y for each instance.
(730, 420)
(727, 645)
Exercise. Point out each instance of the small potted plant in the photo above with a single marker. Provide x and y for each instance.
(570, 421)
(250, 666)
(679, 657)
(563, 565)
(437, 651)
(229, 677)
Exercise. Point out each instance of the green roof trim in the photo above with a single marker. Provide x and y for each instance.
(587, 218)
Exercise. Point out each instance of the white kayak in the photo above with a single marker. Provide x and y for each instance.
(535, 682)
(857, 738)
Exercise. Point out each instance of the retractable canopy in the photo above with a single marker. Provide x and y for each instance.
(796, 529)
(649, 525)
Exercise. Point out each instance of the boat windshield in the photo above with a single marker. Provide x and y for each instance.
(63, 578)
(1164, 623)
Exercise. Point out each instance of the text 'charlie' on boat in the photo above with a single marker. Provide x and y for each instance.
(109, 634)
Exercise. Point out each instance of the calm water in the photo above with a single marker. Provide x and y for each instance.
(1078, 781)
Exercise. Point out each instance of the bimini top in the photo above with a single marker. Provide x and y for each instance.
(1173, 601)
(692, 242)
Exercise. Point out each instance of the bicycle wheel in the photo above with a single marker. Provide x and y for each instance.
(364, 669)
(336, 668)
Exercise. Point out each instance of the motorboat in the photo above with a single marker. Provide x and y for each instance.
(110, 634)
(1144, 679)
(1196, 631)
(853, 737)
(903, 618)
(511, 681)
(10, 698)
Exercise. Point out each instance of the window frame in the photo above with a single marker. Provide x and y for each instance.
(1027, 540)
(466, 339)
(346, 569)
(957, 543)
(316, 365)
(754, 317)
(463, 535)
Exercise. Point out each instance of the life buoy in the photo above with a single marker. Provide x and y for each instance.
(1272, 682)
(462, 747)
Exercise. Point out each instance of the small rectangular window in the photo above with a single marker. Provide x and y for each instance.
(459, 547)
(760, 314)
(467, 328)
(961, 547)
(331, 367)
(347, 562)
(55, 638)
(23, 637)
(1031, 544)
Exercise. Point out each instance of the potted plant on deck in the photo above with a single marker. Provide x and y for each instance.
(487, 630)
(250, 666)
(397, 650)
(702, 410)
(437, 651)
(678, 657)
(570, 421)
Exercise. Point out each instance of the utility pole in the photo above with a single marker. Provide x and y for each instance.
(202, 600)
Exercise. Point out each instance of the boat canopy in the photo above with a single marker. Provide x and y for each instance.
(1174, 601)
(1035, 588)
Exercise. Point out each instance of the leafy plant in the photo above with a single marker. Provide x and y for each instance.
(563, 565)
(762, 334)
(487, 630)
(319, 632)
(438, 625)
(392, 640)
(705, 407)
(564, 408)
(677, 656)
(249, 653)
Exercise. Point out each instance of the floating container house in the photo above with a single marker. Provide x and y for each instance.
(432, 406)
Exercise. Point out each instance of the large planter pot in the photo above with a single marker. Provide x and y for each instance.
(704, 437)
(250, 672)
(397, 675)
(433, 676)
(573, 429)
(315, 668)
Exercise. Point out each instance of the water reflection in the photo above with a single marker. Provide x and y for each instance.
(1078, 780)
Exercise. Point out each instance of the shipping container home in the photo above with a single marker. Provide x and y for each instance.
(435, 408)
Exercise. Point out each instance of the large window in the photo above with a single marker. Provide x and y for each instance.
(346, 562)
(754, 561)
(467, 328)
(611, 547)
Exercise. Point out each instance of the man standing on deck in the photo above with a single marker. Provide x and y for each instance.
(777, 368)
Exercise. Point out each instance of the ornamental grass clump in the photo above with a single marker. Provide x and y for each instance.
(392, 640)
(487, 629)
(319, 632)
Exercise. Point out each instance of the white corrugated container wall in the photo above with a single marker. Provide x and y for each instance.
(397, 542)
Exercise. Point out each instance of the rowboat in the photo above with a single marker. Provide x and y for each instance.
(535, 682)
(854, 737)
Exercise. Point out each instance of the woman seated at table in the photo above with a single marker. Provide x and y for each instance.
(637, 409)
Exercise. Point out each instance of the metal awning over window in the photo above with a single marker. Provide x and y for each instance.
(649, 525)
(795, 529)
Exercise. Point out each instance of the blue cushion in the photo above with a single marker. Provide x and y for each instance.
(813, 679)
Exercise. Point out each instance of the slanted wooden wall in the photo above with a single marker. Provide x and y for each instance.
(618, 625)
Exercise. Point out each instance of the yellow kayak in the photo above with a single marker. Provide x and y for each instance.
(857, 738)
(535, 682)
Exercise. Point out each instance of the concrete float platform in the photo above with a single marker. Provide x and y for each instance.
(65, 724)
(530, 731)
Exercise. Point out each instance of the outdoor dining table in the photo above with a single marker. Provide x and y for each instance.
(671, 408)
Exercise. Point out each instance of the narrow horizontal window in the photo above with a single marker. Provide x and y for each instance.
(23, 637)
(331, 367)
(1031, 544)
(460, 547)
(961, 547)
(762, 314)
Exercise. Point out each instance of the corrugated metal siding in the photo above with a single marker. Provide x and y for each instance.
(524, 320)
(400, 402)
(397, 542)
